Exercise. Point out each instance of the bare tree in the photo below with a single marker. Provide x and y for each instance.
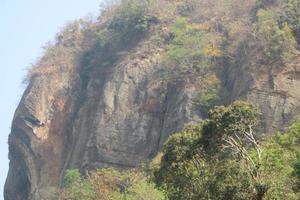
(239, 143)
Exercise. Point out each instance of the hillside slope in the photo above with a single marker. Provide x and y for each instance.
(109, 92)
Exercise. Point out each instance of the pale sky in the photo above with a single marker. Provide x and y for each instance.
(25, 26)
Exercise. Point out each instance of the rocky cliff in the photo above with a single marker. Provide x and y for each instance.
(124, 113)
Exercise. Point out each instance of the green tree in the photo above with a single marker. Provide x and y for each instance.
(223, 121)
(278, 44)
(279, 164)
(186, 173)
(223, 159)
(132, 18)
(174, 171)
(175, 150)
(291, 15)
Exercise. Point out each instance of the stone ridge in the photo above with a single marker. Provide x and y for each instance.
(124, 116)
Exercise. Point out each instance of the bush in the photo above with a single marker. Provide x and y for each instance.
(190, 49)
(291, 16)
(296, 173)
(278, 44)
(75, 187)
(71, 177)
(132, 18)
(186, 42)
(210, 96)
(109, 184)
(141, 189)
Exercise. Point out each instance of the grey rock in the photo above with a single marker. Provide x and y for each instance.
(123, 117)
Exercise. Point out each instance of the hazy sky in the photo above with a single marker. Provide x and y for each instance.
(25, 25)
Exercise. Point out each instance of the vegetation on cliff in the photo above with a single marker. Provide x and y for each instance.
(109, 184)
(199, 39)
(226, 159)
(223, 157)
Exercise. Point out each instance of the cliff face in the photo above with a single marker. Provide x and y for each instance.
(120, 120)
(125, 112)
(123, 118)
(275, 91)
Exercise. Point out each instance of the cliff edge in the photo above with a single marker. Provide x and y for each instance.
(88, 107)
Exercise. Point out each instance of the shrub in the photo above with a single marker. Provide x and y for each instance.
(109, 184)
(71, 177)
(141, 189)
(210, 96)
(291, 16)
(103, 38)
(132, 18)
(278, 44)
(296, 173)
(186, 45)
(75, 187)
(190, 49)
(85, 68)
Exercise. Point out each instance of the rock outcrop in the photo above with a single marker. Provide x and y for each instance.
(274, 90)
(124, 113)
(122, 119)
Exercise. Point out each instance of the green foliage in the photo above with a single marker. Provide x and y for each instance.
(296, 173)
(109, 184)
(141, 189)
(196, 178)
(132, 18)
(187, 44)
(189, 172)
(278, 44)
(103, 38)
(174, 153)
(223, 121)
(210, 96)
(85, 69)
(191, 45)
(75, 187)
(71, 177)
(190, 49)
(291, 16)
(178, 144)
(225, 180)
(170, 175)
(265, 3)
(279, 164)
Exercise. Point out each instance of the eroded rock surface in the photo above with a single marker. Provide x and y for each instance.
(121, 119)
(123, 116)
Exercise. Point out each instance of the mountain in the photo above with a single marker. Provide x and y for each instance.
(108, 92)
